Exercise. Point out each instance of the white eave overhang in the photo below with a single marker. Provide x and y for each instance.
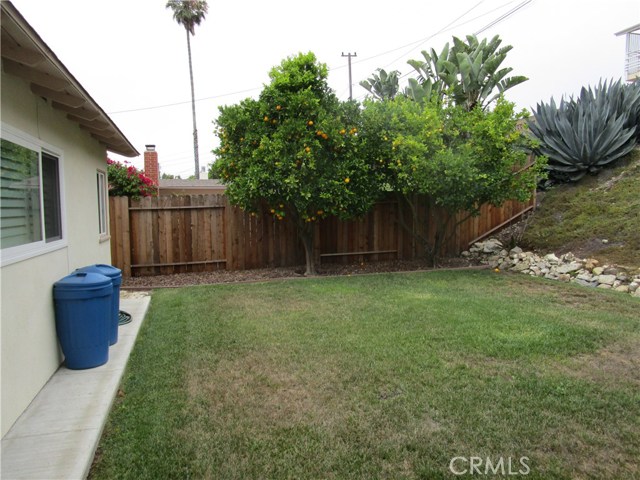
(25, 55)
(628, 30)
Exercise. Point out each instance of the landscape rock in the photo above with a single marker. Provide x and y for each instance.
(585, 283)
(591, 263)
(606, 279)
(552, 259)
(622, 276)
(597, 270)
(569, 267)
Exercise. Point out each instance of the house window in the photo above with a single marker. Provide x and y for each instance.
(20, 222)
(103, 224)
(51, 198)
(30, 198)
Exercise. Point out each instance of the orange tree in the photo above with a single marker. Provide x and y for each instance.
(295, 149)
(455, 158)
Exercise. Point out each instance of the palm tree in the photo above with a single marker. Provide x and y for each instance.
(190, 13)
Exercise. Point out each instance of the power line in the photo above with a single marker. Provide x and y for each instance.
(437, 33)
(495, 21)
(365, 59)
(504, 17)
(185, 102)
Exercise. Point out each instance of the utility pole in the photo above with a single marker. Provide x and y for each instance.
(349, 55)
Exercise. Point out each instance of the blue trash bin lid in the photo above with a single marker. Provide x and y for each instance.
(103, 269)
(80, 284)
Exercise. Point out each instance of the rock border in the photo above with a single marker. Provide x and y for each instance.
(567, 268)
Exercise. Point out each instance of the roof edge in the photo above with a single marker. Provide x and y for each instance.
(125, 147)
(628, 30)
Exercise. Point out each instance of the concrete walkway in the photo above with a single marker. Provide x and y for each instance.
(56, 437)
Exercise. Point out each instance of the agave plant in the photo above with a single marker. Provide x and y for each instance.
(584, 135)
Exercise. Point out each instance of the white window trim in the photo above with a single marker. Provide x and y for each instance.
(103, 199)
(20, 253)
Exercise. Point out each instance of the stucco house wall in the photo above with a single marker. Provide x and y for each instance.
(30, 352)
(32, 119)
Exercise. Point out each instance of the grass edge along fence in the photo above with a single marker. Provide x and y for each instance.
(194, 233)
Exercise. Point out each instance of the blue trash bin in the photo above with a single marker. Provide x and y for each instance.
(83, 307)
(115, 274)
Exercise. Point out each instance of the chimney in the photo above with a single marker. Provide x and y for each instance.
(151, 168)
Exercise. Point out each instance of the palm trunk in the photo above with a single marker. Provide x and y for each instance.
(193, 110)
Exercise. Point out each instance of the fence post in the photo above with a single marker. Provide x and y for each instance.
(120, 234)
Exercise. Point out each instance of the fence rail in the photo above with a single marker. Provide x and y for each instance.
(193, 233)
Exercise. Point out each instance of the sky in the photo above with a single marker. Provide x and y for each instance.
(131, 56)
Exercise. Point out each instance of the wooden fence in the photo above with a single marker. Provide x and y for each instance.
(191, 233)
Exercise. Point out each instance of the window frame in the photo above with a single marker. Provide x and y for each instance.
(19, 253)
(103, 205)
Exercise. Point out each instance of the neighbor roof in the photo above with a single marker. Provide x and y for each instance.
(26, 55)
(191, 184)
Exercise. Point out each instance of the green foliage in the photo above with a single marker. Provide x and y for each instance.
(458, 159)
(169, 176)
(399, 135)
(584, 135)
(468, 73)
(382, 85)
(295, 148)
(495, 149)
(188, 13)
(128, 181)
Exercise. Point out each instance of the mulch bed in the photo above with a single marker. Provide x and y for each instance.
(262, 274)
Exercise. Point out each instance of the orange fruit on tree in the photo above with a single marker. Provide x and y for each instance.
(310, 123)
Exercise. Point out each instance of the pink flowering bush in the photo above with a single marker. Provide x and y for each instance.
(127, 181)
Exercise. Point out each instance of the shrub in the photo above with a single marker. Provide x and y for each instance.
(584, 135)
(128, 181)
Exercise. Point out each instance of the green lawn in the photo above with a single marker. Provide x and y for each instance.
(380, 377)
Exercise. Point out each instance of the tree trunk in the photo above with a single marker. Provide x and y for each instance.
(307, 234)
(193, 110)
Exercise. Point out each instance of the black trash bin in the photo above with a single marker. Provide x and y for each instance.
(83, 307)
(115, 274)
